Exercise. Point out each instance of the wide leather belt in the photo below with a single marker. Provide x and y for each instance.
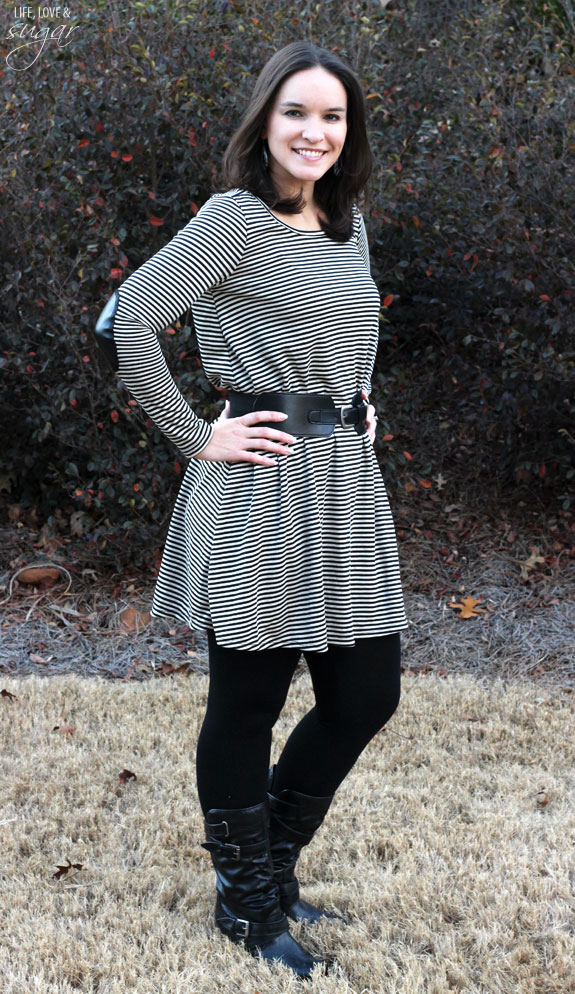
(307, 413)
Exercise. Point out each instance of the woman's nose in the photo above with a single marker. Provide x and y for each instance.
(312, 132)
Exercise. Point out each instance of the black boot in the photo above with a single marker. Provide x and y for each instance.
(294, 820)
(247, 901)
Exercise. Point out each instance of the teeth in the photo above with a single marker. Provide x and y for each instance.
(308, 154)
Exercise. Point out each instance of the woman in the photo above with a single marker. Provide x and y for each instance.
(281, 539)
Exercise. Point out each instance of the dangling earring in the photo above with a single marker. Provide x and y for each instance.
(265, 155)
(337, 170)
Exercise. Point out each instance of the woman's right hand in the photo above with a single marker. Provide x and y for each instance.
(234, 438)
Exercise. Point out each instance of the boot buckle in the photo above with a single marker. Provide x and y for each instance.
(245, 926)
(214, 845)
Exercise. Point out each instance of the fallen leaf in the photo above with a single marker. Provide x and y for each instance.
(35, 658)
(467, 608)
(65, 729)
(527, 565)
(169, 668)
(37, 575)
(62, 870)
(8, 695)
(132, 620)
(78, 522)
(126, 775)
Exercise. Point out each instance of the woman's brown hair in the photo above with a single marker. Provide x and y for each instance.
(243, 163)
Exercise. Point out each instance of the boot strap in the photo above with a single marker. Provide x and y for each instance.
(241, 927)
(217, 830)
(293, 812)
(234, 851)
(278, 826)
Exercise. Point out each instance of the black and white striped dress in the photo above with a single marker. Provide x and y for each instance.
(302, 553)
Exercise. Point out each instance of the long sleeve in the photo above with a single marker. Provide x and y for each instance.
(362, 243)
(199, 256)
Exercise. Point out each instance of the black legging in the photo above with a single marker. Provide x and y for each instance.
(357, 689)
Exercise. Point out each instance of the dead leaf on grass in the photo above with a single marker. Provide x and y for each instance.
(62, 870)
(526, 565)
(34, 657)
(467, 607)
(132, 620)
(126, 775)
(39, 576)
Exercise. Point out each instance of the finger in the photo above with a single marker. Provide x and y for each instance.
(259, 460)
(255, 416)
(260, 431)
(272, 434)
(266, 443)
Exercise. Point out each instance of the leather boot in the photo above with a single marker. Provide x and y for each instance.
(247, 898)
(294, 820)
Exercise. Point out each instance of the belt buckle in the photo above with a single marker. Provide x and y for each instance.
(345, 407)
(246, 927)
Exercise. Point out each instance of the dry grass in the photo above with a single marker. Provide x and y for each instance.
(455, 875)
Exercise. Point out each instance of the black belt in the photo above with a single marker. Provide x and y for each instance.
(308, 413)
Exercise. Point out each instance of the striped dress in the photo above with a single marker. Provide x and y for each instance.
(302, 553)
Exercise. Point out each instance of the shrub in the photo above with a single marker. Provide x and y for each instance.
(470, 223)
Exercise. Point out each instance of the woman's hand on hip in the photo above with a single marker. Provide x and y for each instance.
(234, 438)
(371, 418)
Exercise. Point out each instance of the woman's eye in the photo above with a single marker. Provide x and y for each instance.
(336, 117)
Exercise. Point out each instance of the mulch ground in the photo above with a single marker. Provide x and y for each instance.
(511, 567)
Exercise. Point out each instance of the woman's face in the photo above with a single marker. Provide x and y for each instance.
(308, 115)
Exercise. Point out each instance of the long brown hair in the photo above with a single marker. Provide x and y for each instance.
(243, 163)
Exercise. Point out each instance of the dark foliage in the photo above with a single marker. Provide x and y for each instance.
(111, 144)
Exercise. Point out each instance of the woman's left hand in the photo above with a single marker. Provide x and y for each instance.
(371, 418)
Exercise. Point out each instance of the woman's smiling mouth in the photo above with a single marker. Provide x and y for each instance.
(309, 153)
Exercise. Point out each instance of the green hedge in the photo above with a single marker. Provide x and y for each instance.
(113, 143)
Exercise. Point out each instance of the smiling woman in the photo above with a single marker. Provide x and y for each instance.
(281, 540)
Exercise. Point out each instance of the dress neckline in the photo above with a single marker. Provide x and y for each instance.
(290, 227)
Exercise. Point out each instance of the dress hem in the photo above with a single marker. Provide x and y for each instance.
(155, 613)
